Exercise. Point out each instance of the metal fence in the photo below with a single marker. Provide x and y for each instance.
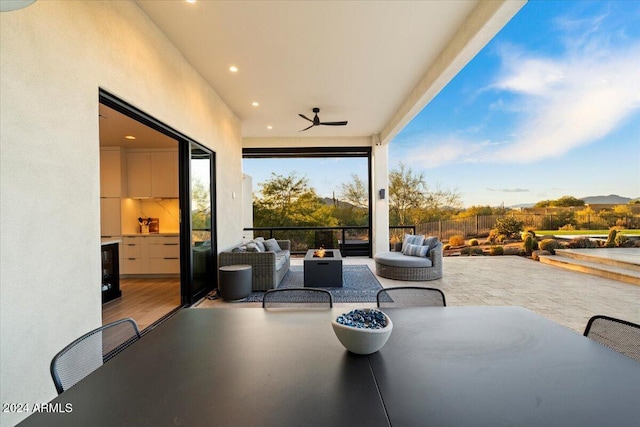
(479, 226)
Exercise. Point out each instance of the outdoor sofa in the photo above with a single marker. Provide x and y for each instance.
(420, 259)
(269, 262)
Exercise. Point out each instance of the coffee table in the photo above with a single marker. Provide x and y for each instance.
(325, 272)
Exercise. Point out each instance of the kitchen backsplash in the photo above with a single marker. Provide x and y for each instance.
(166, 210)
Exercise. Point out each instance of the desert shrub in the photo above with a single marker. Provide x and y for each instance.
(581, 242)
(527, 244)
(446, 247)
(473, 242)
(567, 227)
(456, 240)
(508, 225)
(620, 240)
(531, 230)
(509, 250)
(496, 250)
(471, 251)
(549, 245)
(611, 238)
(560, 219)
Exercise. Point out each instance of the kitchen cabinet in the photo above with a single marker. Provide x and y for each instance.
(110, 216)
(112, 167)
(164, 254)
(152, 174)
(164, 174)
(151, 254)
(139, 174)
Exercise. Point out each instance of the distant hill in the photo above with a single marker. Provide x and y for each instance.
(612, 199)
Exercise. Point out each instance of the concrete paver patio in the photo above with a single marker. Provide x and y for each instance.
(565, 297)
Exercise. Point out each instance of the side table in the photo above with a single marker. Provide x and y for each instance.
(235, 282)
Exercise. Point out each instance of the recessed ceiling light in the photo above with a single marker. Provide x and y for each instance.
(233, 69)
(191, 1)
(269, 127)
(255, 104)
(130, 137)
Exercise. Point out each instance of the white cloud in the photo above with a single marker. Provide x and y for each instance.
(570, 102)
(443, 152)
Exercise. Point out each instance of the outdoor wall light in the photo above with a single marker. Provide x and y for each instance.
(381, 193)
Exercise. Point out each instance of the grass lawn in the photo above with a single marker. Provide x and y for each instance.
(583, 232)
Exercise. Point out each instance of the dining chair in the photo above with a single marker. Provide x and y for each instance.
(87, 353)
(617, 334)
(410, 296)
(297, 297)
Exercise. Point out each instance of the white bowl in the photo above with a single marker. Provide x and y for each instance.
(362, 340)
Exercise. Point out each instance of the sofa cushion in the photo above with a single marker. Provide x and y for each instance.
(259, 241)
(253, 247)
(281, 259)
(397, 259)
(430, 242)
(242, 248)
(411, 239)
(415, 250)
(272, 245)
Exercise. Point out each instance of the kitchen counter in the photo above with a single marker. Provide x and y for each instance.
(109, 241)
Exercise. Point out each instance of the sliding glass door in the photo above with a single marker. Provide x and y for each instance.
(202, 245)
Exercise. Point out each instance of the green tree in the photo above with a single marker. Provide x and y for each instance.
(290, 201)
(562, 202)
(476, 211)
(411, 201)
(355, 192)
(406, 193)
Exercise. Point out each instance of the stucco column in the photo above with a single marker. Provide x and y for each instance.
(380, 179)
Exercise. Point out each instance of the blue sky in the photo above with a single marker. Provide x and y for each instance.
(550, 107)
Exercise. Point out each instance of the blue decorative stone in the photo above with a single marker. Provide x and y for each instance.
(369, 319)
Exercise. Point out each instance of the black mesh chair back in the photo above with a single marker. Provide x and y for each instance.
(298, 298)
(620, 335)
(410, 296)
(90, 351)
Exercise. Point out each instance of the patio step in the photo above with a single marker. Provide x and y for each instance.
(589, 263)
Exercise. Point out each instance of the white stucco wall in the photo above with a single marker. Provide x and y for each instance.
(54, 56)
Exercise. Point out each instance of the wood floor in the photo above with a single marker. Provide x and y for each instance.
(144, 300)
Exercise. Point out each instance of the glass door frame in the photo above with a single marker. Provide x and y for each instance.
(189, 297)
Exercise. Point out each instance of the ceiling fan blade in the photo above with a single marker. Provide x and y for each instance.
(334, 123)
(306, 128)
(305, 117)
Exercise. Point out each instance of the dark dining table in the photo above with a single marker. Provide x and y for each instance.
(442, 366)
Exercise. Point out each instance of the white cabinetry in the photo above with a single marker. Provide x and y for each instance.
(164, 174)
(164, 254)
(150, 255)
(112, 166)
(152, 174)
(135, 255)
(110, 216)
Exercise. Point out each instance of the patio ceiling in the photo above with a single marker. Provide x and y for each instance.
(375, 64)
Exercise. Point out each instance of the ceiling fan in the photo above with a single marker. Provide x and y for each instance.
(316, 121)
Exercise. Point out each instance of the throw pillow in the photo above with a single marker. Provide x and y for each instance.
(242, 248)
(272, 245)
(415, 250)
(259, 243)
(253, 247)
(430, 243)
(410, 239)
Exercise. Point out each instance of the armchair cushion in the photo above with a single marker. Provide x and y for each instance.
(415, 250)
